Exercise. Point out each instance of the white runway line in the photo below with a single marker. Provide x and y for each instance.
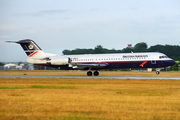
(91, 77)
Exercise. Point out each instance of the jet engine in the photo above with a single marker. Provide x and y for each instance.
(58, 61)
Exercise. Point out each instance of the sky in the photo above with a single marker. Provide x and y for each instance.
(56, 25)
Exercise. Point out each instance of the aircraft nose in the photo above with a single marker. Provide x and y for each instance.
(171, 62)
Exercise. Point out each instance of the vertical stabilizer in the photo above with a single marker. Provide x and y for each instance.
(31, 49)
(29, 46)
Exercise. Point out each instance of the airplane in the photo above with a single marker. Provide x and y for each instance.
(94, 62)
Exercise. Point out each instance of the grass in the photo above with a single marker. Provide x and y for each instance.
(52, 87)
(10, 88)
(40, 86)
(89, 99)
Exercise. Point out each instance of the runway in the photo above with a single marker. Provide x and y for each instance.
(91, 77)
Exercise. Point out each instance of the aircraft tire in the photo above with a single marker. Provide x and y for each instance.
(96, 73)
(89, 73)
(157, 72)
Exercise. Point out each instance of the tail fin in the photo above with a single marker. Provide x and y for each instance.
(29, 46)
(32, 50)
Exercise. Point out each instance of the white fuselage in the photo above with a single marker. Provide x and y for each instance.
(93, 61)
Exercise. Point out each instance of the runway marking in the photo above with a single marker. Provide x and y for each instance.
(91, 77)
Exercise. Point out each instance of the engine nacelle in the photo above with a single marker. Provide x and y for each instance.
(58, 61)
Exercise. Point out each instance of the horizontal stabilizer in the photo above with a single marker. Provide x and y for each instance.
(12, 41)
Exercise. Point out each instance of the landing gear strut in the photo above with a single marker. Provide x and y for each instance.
(89, 73)
(158, 71)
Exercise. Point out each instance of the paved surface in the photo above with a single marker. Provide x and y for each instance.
(90, 77)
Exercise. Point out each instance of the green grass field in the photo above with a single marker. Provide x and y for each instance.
(89, 99)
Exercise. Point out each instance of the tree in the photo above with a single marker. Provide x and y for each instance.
(140, 47)
(126, 50)
(157, 48)
(1, 64)
(66, 52)
(169, 50)
(98, 49)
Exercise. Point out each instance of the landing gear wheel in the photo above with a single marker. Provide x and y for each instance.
(96, 73)
(157, 72)
(89, 73)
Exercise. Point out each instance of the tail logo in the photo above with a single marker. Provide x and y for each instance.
(30, 47)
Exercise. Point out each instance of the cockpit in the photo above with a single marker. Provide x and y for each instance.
(161, 57)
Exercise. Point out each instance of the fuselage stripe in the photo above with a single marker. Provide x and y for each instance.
(143, 63)
(108, 62)
(33, 54)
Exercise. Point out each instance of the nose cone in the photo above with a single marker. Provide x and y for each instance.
(171, 62)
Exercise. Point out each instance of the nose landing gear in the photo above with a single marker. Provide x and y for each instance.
(89, 73)
(157, 72)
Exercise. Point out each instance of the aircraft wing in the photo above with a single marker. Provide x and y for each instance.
(98, 65)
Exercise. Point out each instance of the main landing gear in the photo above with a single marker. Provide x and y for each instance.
(89, 73)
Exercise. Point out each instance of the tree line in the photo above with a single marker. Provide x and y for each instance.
(172, 51)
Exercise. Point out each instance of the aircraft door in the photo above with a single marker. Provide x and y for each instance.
(153, 61)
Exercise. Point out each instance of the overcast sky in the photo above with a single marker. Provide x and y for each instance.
(56, 25)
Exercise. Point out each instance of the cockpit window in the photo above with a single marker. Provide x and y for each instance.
(163, 57)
